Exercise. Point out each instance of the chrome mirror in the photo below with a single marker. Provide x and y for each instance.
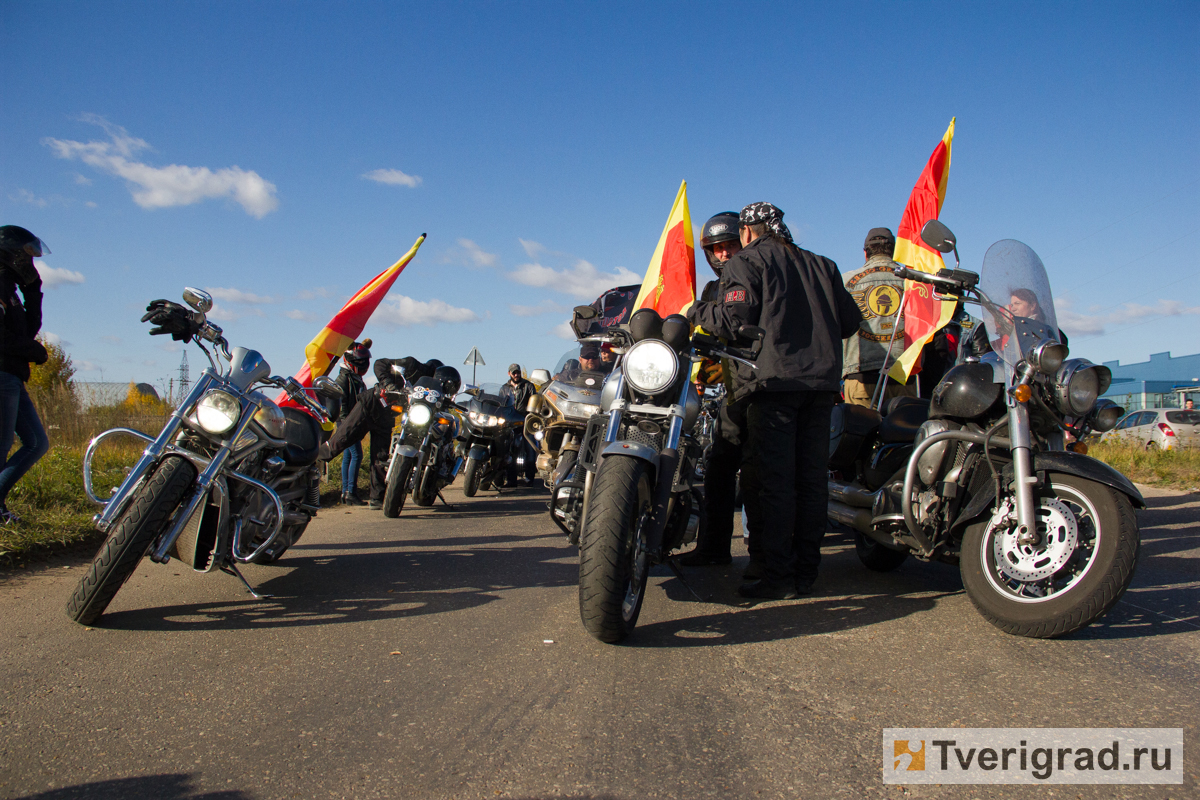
(198, 299)
(327, 387)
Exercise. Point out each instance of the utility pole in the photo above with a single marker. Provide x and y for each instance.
(184, 379)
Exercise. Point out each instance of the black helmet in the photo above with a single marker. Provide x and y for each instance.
(450, 379)
(15, 239)
(433, 364)
(359, 355)
(721, 227)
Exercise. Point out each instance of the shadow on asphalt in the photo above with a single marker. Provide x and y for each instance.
(151, 787)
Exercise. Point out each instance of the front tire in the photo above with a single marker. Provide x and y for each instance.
(613, 564)
(128, 540)
(1089, 548)
(397, 488)
(471, 475)
(875, 556)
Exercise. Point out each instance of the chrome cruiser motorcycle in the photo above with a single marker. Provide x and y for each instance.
(641, 494)
(982, 474)
(231, 479)
(423, 459)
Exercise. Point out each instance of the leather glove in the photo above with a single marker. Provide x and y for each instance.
(170, 318)
(711, 372)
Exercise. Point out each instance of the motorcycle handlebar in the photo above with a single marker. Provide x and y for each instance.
(955, 280)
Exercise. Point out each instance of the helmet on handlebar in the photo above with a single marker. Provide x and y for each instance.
(450, 379)
(721, 227)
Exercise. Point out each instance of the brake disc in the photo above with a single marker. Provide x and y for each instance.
(1058, 534)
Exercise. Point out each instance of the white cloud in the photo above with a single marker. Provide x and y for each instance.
(314, 294)
(544, 307)
(172, 185)
(1096, 323)
(237, 296)
(26, 196)
(111, 339)
(301, 316)
(91, 204)
(563, 331)
(582, 280)
(86, 366)
(393, 177)
(405, 311)
(52, 276)
(222, 314)
(54, 339)
(82, 180)
(476, 255)
(532, 248)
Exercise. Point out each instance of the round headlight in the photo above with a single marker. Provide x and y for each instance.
(1106, 415)
(1078, 387)
(218, 411)
(650, 366)
(419, 414)
(1048, 356)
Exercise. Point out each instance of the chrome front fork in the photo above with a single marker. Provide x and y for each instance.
(1024, 478)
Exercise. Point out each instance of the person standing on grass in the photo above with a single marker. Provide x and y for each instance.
(20, 321)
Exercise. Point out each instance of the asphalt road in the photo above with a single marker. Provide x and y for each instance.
(441, 656)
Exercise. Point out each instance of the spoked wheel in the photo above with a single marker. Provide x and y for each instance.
(1068, 576)
(613, 561)
(397, 486)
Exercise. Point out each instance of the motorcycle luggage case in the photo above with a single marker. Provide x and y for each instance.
(849, 426)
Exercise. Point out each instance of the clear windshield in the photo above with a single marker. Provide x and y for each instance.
(1018, 309)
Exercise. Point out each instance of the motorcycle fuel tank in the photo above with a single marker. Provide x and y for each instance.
(269, 416)
(965, 392)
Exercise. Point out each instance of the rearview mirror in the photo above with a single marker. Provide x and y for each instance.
(938, 236)
(540, 376)
(327, 387)
(198, 299)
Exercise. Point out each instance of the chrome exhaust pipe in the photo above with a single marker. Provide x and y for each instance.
(857, 518)
(851, 495)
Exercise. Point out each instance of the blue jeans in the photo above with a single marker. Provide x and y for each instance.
(351, 460)
(18, 419)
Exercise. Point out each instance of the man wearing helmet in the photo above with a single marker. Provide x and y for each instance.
(20, 321)
(721, 243)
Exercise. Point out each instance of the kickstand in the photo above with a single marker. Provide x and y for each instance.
(231, 569)
(675, 568)
(447, 505)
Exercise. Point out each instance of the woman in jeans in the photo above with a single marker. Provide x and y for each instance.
(357, 359)
(19, 323)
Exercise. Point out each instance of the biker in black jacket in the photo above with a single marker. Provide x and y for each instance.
(350, 381)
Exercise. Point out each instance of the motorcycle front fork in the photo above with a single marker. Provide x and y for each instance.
(1024, 478)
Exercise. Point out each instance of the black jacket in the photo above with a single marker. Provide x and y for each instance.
(410, 368)
(352, 386)
(520, 393)
(19, 324)
(799, 300)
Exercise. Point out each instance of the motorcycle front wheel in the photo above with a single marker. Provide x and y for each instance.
(425, 490)
(397, 487)
(471, 475)
(143, 520)
(1076, 571)
(613, 562)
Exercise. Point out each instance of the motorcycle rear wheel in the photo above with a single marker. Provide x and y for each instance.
(130, 537)
(471, 475)
(397, 488)
(613, 564)
(1095, 571)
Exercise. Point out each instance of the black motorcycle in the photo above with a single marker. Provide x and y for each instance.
(488, 440)
(992, 473)
(423, 459)
(641, 497)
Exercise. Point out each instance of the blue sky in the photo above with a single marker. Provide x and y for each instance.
(281, 154)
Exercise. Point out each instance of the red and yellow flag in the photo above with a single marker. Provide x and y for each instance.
(341, 331)
(923, 314)
(670, 283)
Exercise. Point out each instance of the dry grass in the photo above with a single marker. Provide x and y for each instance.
(1171, 469)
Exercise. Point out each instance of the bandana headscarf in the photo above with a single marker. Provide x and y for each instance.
(766, 214)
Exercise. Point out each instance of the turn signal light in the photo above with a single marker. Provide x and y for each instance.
(1022, 393)
(1079, 447)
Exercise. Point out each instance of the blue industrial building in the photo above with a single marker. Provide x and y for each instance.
(1161, 382)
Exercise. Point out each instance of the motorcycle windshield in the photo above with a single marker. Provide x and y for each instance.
(1018, 308)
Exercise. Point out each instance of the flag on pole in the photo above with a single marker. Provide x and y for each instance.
(923, 314)
(670, 283)
(341, 331)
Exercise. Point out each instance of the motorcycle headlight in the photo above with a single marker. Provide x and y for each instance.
(1048, 355)
(650, 366)
(570, 408)
(419, 414)
(218, 411)
(1078, 384)
(1106, 415)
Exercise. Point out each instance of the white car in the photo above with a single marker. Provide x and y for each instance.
(1158, 429)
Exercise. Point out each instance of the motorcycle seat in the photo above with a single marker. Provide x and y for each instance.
(303, 436)
(905, 416)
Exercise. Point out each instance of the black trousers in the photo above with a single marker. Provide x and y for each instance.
(726, 457)
(367, 416)
(788, 437)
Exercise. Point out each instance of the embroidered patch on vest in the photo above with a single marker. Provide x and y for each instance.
(736, 296)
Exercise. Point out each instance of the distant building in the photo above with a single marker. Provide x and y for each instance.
(1161, 382)
(108, 393)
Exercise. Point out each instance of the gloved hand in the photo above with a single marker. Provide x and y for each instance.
(711, 372)
(170, 318)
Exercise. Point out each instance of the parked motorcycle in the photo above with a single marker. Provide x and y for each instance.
(641, 497)
(982, 475)
(558, 419)
(232, 478)
(490, 431)
(423, 459)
